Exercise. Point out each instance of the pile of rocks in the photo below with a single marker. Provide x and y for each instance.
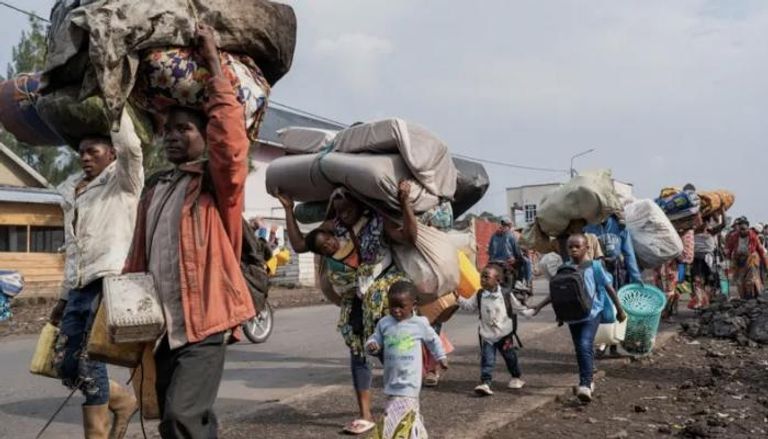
(745, 321)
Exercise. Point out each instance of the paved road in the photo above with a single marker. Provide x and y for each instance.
(303, 355)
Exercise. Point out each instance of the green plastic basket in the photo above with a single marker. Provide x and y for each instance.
(643, 305)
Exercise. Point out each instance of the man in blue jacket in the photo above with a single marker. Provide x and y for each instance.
(504, 251)
(619, 259)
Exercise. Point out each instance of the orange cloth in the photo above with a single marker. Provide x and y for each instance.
(214, 294)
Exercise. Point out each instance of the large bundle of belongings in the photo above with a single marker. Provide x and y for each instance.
(687, 208)
(109, 55)
(591, 198)
(369, 160)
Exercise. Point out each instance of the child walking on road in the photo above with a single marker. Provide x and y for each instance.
(497, 328)
(399, 337)
(593, 282)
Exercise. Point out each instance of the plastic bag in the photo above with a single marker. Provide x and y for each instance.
(653, 235)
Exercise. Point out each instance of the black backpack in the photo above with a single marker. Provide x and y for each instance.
(253, 264)
(570, 298)
(508, 304)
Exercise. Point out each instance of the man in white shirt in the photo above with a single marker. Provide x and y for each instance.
(99, 213)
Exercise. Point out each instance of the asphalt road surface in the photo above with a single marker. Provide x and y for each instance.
(304, 354)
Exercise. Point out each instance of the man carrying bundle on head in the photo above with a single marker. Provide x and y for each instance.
(189, 235)
(99, 214)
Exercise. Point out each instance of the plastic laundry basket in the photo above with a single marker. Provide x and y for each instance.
(643, 305)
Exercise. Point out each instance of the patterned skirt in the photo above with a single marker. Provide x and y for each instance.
(402, 420)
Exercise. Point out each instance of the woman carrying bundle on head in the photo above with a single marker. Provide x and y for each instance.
(356, 244)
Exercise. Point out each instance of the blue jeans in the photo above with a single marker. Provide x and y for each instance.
(583, 335)
(71, 360)
(506, 347)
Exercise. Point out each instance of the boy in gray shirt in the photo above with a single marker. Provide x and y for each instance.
(399, 337)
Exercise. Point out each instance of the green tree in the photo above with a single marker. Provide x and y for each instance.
(53, 163)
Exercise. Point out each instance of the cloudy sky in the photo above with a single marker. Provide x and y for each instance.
(666, 92)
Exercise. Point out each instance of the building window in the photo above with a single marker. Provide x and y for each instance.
(13, 239)
(46, 239)
(530, 213)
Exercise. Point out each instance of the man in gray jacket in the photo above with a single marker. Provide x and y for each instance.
(99, 214)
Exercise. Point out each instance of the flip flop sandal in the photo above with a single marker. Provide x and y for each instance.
(359, 426)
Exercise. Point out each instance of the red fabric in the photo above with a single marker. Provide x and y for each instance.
(484, 230)
(732, 242)
(214, 294)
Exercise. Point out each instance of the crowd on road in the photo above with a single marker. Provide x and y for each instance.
(380, 249)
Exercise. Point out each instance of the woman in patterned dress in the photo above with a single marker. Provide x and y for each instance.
(355, 245)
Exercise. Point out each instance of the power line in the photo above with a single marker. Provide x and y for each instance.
(28, 13)
(512, 165)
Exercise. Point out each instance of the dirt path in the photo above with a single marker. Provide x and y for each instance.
(690, 388)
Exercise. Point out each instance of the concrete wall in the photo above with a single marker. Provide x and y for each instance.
(257, 201)
(526, 195)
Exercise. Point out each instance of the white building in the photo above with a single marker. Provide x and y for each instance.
(523, 201)
(258, 203)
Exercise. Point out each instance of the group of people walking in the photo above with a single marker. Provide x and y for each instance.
(183, 226)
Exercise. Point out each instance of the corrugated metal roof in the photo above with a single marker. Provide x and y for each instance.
(29, 195)
(277, 118)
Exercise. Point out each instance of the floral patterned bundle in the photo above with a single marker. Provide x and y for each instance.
(176, 77)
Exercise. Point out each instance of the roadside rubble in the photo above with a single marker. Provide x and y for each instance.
(744, 321)
(703, 388)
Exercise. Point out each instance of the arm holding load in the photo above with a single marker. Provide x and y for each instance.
(227, 140)
(130, 168)
(408, 233)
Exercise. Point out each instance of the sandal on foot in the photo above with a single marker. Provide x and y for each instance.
(359, 426)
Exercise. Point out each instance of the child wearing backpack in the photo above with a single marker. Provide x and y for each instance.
(497, 329)
(578, 293)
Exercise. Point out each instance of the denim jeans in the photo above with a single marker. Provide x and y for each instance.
(583, 335)
(71, 360)
(488, 350)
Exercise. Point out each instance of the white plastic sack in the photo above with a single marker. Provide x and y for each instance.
(549, 263)
(433, 264)
(654, 237)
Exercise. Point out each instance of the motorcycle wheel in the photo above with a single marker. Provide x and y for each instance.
(259, 328)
